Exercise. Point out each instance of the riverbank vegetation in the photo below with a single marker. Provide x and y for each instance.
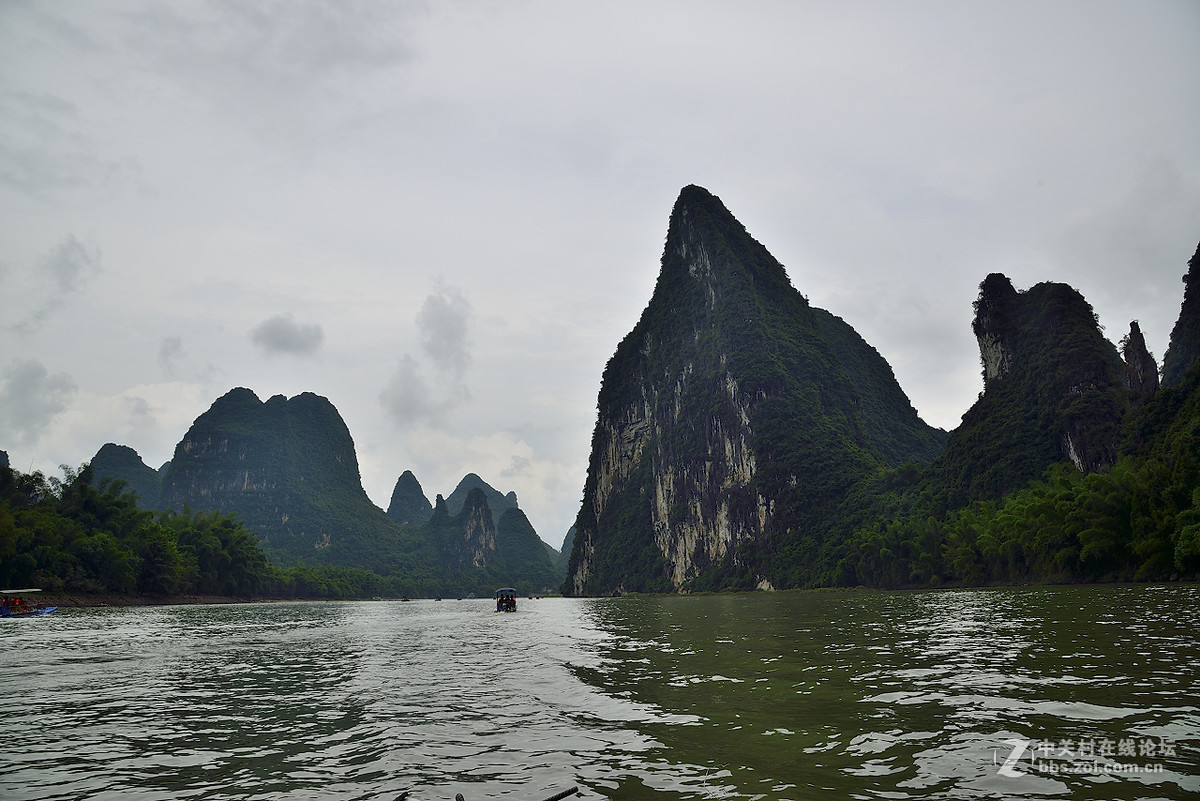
(66, 536)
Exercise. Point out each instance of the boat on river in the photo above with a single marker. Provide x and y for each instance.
(12, 604)
(506, 599)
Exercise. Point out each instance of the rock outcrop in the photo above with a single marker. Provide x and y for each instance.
(732, 413)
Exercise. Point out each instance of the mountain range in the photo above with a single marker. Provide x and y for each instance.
(746, 439)
(288, 469)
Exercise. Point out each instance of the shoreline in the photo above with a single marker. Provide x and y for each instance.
(83, 600)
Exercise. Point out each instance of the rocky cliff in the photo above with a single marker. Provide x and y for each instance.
(733, 413)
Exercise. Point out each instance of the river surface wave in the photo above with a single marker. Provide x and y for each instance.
(1031, 693)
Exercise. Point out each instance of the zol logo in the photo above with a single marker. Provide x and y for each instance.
(1009, 767)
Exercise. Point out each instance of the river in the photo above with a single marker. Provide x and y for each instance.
(1028, 693)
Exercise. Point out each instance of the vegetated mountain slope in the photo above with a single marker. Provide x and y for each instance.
(498, 501)
(475, 555)
(408, 505)
(122, 463)
(288, 468)
(1074, 465)
(1054, 391)
(731, 420)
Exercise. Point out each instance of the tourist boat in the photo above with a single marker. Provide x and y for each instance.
(13, 605)
(506, 599)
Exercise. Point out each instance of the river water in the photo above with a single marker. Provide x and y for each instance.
(1031, 693)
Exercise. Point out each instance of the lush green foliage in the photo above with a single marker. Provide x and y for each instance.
(65, 535)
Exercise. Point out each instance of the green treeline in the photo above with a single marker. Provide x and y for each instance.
(67, 536)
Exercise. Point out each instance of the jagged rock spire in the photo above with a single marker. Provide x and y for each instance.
(1141, 371)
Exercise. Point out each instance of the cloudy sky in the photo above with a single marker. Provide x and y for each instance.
(443, 216)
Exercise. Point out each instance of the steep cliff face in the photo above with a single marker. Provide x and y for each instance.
(288, 468)
(995, 325)
(733, 410)
(467, 539)
(1184, 348)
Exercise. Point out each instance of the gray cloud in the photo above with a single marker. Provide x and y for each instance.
(443, 322)
(519, 466)
(30, 398)
(168, 353)
(407, 399)
(62, 272)
(442, 326)
(283, 335)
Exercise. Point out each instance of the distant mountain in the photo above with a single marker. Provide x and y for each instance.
(529, 563)
(498, 502)
(288, 468)
(122, 463)
(409, 506)
(732, 420)
(478, 556)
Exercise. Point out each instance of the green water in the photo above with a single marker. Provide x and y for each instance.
(913, 695)
(826, 695)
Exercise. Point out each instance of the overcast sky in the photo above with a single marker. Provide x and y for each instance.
(443, 216)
